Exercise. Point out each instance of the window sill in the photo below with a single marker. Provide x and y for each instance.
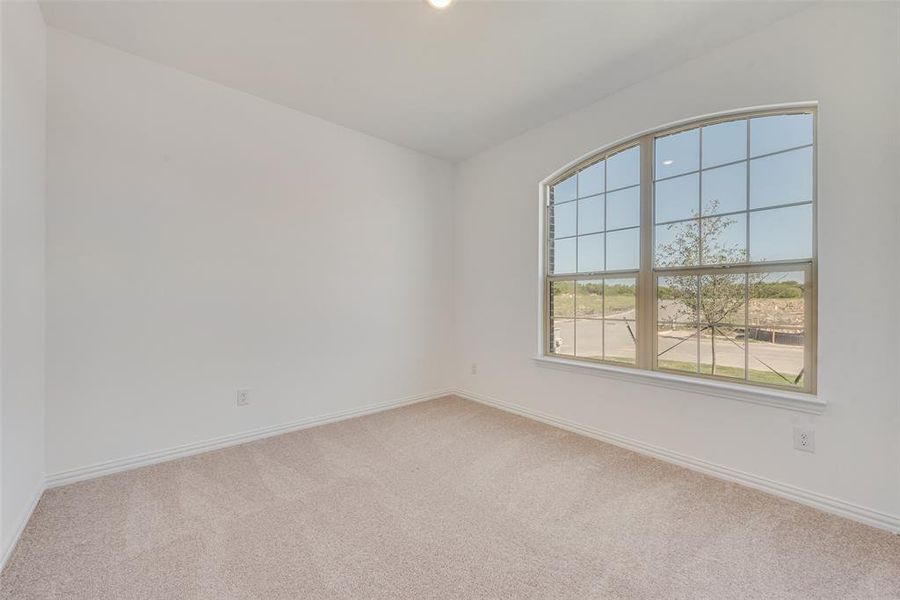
(795, 401)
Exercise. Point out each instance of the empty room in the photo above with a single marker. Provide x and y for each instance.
(449, 299)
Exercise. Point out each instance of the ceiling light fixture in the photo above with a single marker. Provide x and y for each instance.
(668, 162)
(440, 4)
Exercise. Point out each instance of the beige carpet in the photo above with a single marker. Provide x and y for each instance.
(444, 499)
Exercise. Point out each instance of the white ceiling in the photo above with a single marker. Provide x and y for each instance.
(448, 83)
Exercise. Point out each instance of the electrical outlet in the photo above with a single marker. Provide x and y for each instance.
(474, 368)
(805, 439)
(243, 397)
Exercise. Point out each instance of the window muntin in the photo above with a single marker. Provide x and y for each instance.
(717, 227)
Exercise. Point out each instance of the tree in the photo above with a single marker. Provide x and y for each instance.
(714, 299)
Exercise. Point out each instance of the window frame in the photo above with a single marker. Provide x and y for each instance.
(647, 275)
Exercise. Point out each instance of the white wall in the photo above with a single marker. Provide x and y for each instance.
(844, 56)
(22, 266)
(201, 239)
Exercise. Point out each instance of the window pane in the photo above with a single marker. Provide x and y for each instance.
(619, 341)
(588, 324)
(563, 256)
(592, 180)
(619, 328)
(564, 220)
(623, 249)
(724, 143)
(725, 189)
(677, 296)
(677, 198)
(565, 190)
(563, 336)
(623, 169)
(590, 253)
(722, 351)
(562, 299)
(781, 233)
(724, 239)
(623, 208)
(590, 214)
(776, 328)
(589, 338)
(676, 347)
(589, 298)
(562, 322)
(781, 179)
(620, 298)
(722, 299)
(777, 298)
(677, 299)
(678, 153)
(677, 244)
(780, 132)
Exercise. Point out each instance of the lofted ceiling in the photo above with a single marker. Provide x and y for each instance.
(448, 83)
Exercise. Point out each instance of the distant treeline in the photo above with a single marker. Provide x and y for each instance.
(781, 289)
(593, 287)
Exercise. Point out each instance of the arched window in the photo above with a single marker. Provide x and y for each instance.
(689, 250)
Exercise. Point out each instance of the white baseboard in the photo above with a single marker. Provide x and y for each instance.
(809, 498)
(140, 460)
(20, 526)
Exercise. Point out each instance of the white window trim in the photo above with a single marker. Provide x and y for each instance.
(801, 401)
(796, 401)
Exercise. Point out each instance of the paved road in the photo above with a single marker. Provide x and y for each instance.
(673, 345)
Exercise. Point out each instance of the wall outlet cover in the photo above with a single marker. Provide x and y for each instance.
(805, 439)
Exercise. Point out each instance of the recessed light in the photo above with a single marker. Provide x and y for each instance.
(668, 162)
(440, 4)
